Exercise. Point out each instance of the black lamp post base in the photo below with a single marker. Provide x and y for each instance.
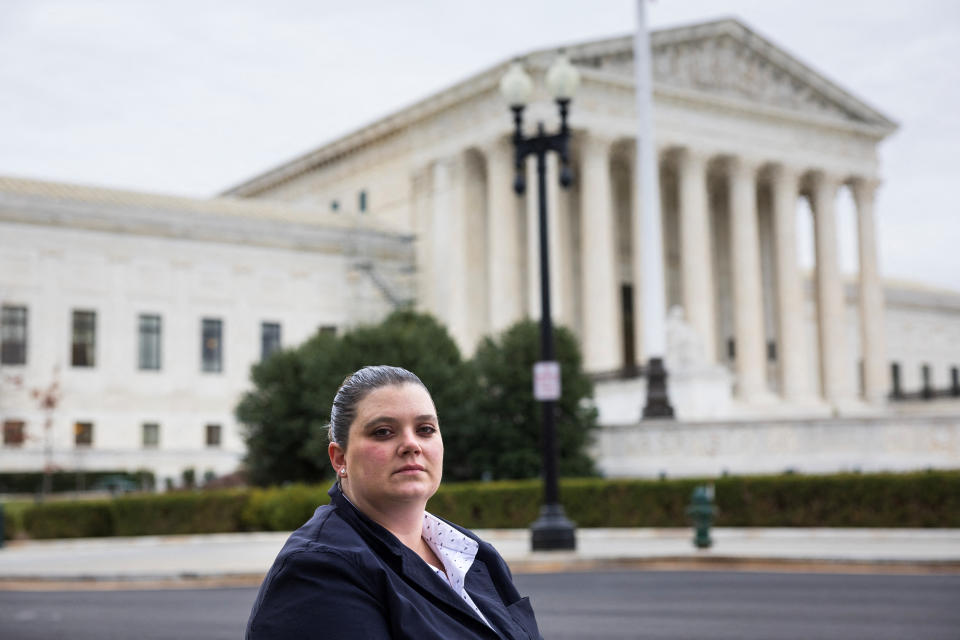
(552, 531)
(658, 402)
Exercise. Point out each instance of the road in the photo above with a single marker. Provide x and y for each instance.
(653, 605)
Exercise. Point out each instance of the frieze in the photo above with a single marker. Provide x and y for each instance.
(725, 65)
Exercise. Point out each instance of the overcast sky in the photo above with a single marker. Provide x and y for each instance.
(191, 97)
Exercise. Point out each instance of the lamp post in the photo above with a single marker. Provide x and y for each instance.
(552, 530)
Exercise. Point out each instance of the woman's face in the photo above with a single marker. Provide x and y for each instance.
(394, 454)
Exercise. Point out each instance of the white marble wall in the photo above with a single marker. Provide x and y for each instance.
(53, 271)
(828, 445)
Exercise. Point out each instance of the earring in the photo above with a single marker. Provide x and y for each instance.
(343, 471)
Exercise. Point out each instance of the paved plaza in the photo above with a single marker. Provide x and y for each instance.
(245, 557)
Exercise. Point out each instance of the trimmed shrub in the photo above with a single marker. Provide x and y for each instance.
(179, 513)
(922, 499)
(13, 518)
(489, 505)
(82, 519)
(282, 508)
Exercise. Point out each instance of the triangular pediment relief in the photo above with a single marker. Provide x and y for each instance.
(727, 59)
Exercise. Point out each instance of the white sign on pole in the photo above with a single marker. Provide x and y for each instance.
(546, 380)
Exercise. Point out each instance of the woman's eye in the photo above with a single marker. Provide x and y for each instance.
(382, 432)
(428, 429)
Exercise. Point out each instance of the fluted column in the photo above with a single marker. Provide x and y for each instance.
(695, 250)
(449, 249)
(875, 381)
(750, 364)
(557, 300)
(559, 295)
(533, 242)
(504, 293)
(829, 287)
(602, 337)
(640, 348)
(791, 352)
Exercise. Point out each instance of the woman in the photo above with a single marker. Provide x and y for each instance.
(373, 563)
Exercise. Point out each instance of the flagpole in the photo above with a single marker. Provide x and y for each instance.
(650, 241)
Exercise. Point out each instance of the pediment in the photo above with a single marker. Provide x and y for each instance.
(727, 59)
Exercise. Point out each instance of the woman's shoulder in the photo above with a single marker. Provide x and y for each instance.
(324, 530)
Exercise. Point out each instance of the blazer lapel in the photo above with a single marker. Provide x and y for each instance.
(434, 587)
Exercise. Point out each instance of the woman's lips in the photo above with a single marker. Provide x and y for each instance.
(410, 469)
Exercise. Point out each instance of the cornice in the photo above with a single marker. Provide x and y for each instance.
(220, 220)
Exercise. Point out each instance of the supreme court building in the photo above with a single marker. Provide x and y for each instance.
(418, 207)
(743, 132)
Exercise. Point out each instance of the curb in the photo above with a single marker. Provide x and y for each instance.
(121, 582)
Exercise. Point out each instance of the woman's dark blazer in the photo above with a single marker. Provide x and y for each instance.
(341, 575)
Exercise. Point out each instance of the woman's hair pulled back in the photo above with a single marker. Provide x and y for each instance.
(355, 388)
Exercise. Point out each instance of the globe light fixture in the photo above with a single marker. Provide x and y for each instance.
(516, 86)
(562, 78)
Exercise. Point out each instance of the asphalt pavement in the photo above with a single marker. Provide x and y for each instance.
(244, 558)
(600, 605)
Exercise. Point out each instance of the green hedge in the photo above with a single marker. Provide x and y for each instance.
(924, 499)
(282, 509)
(81, 519)
(177, 513)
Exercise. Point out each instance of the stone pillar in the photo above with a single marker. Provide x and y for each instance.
(791, 348)
(504, 292)
(533, 240)
(602, 333)
(442, 231)
(829, 288)
(875, 381)
(750, 363)
(558, 259)
(636, 266)
(557, 300)
(695, 250)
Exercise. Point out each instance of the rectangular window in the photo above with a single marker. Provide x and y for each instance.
(896, 389)
(213, 435)
(13, 433)
(926, 374)
(212, 349)
(328, 329)
(151, 435)
(13, 335)
(84, 338)
(83, 434)
(362, 201)
(626, 328)
(269, 339)
(149, 342)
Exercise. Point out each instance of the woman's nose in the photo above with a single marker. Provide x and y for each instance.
(409, 442)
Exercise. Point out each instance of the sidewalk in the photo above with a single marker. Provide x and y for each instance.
(243, 558)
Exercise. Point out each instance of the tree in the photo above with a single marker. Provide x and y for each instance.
(287, 412)
(488, 417)
(507, 442)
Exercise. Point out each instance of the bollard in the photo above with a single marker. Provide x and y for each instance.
(702, 511)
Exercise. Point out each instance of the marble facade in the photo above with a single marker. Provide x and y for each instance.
(743, 132)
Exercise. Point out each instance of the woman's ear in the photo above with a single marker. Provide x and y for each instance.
(337, 457)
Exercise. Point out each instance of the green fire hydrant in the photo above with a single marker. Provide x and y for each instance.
(701, 511)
